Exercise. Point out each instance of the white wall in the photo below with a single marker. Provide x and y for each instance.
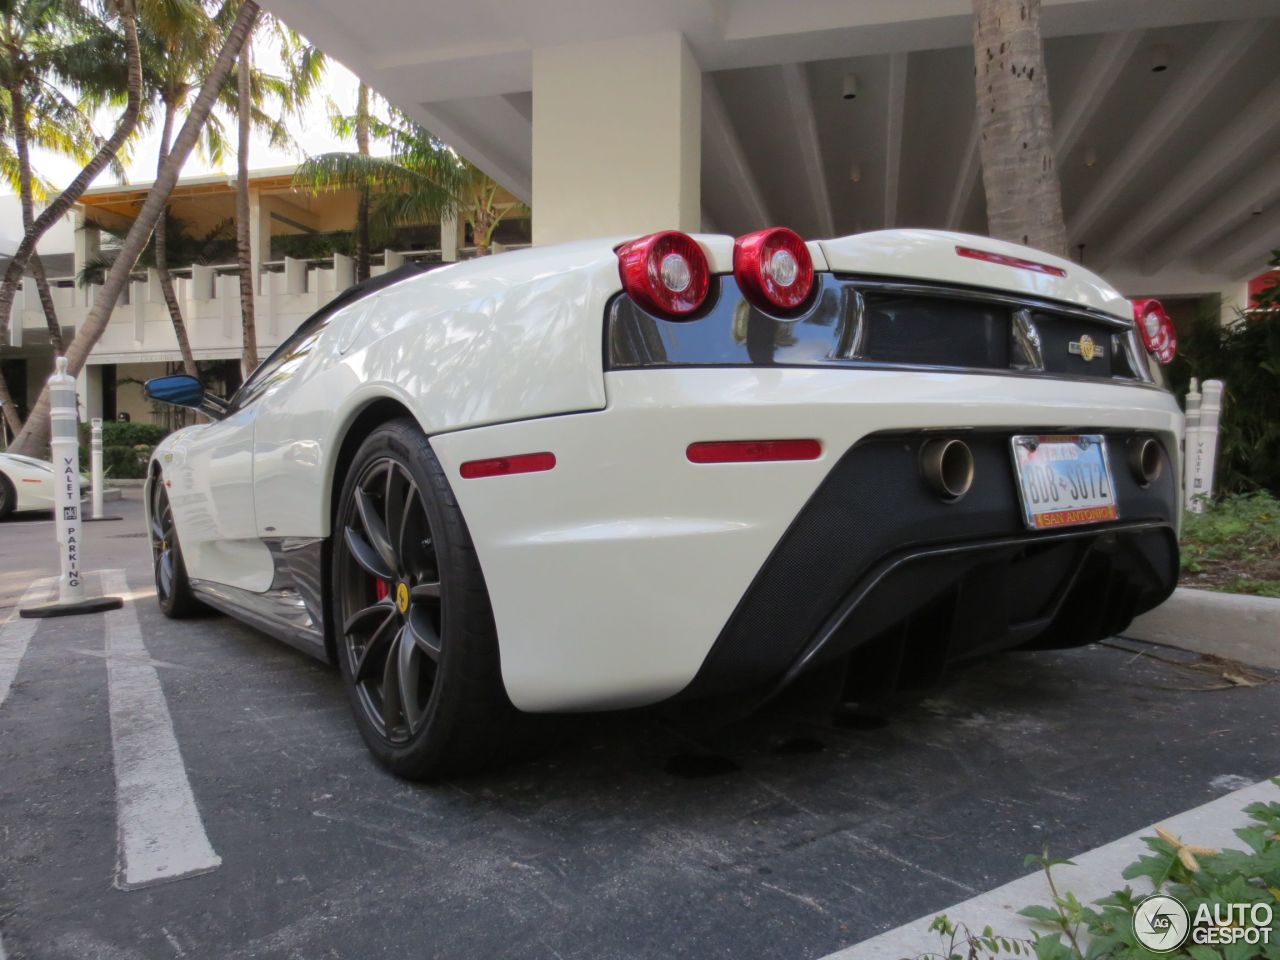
(61, 237)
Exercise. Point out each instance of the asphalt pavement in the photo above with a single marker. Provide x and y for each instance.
(793, 833)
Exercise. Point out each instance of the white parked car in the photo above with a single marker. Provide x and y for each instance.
(618, 472)
(25, 484)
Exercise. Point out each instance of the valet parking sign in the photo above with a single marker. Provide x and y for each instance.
(1162, 924)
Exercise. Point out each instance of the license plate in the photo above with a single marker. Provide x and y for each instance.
(1064, 480)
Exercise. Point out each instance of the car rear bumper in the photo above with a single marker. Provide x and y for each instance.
(627, 575)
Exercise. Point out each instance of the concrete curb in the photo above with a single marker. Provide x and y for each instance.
(1231, 625)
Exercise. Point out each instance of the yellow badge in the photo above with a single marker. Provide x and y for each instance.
(402, 596)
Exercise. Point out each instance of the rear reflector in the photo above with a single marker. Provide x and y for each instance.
(502, 466)
(753, 451)
(1008, 261)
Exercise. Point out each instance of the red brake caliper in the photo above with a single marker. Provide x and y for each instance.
(382, 588)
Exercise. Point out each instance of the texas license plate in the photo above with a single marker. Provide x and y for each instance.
(1064, 480)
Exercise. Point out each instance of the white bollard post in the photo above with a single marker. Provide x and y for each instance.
(1202, 447)
(63, 428)
(64, 420)
(95, 465)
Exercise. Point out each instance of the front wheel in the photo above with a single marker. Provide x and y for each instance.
(416, 641)
(173, 589)
(8, 496)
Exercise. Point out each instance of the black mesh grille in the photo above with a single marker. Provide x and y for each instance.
(935, 331)
(855, 321)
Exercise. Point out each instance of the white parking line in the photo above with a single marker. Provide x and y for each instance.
(1094, 874)
(161, 835)
(16, 633)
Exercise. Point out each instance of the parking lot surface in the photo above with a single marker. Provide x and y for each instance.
(790, 834)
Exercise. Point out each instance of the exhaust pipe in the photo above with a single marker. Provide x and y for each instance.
(947, 466)
(1145, 461)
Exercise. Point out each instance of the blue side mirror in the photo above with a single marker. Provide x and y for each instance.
(179, 389)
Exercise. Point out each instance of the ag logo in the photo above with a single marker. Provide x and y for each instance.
(1160, 923)
(1084, 348)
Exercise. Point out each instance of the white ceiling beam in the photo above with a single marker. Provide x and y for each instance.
(1246, 250)
(966, 179)
(732, 160)
(895, 108)
(799, 103)
(1251, 126)
(1226, 45)
(1098, 77)
(1259, 189)
(457, 127)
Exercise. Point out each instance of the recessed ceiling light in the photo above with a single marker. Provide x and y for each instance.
(1091, 157)
(1159, 57)
(855, 172)
(850, 86)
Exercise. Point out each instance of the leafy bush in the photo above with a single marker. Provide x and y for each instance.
(1234, 545)
(1246, 357)
(1196, 876)
(125, 462)
(117, 433)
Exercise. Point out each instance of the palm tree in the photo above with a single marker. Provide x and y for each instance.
(421, 180)
(249, 95)
(179, 41)
(35, 435)
(42, 43)
(1019, 169)
(78, 40)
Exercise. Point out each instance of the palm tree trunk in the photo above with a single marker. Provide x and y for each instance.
(62, 203)
(162, 257)
(362, 206)
(18, 102)
(1019, 169)
(244, 251)
(35, 435)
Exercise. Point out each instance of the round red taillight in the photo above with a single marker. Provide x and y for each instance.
(773, 268)
(1156, 329)
(665, 273)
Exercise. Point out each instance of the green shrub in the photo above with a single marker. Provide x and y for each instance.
(118, 433)
(1246, 357)
(1234, 546)
(125, 463)
(1196, 876)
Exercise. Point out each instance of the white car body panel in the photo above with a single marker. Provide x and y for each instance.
(612, 574)
(931, 255)
(32, 481)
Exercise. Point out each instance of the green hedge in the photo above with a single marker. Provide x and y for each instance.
(125, 463)
(117, 433)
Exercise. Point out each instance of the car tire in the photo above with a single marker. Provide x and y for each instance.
(173, 589)
(414, 630)
(8, 497)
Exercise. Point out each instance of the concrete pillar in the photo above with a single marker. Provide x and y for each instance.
(89, 387)
(449, 238)
(259, 236)
(87, 242)
(617, 133)
(295, 275)
(344, 272)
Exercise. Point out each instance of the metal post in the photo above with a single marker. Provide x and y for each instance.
(64, 422)
(95, 461)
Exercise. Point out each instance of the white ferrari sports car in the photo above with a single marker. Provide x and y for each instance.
(618, 472)
(25, 484)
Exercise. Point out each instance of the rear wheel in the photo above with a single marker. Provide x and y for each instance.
(173, 589)
(416, 645)
(8, 497)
